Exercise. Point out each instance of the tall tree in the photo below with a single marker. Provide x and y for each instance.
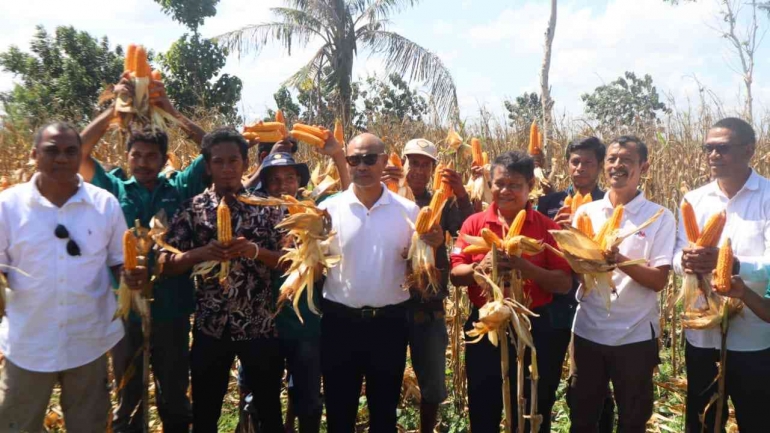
(62, 77)
(341, 27)
(627, 103)
(523, 110)
(545, 88)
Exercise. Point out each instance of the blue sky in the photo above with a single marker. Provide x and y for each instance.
(493, 48)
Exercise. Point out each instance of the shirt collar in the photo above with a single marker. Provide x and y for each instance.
(631, 207)
(80, 196)
(751, 184)
(350, 197)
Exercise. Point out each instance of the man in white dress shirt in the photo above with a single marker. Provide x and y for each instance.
(745, 196)
(364, 325)
(620, 345)
(59, 239)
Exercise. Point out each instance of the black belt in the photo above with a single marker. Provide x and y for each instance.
(397, 311)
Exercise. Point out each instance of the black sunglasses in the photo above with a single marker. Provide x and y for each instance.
(61, 232)
(721, 149)
(368, 159)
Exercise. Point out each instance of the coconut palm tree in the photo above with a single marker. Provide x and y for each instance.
(342, 27)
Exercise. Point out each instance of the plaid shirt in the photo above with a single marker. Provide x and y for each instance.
(245, 310)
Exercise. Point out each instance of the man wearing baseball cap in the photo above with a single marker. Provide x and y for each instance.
(427, 328)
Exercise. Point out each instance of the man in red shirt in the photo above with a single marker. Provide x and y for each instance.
(544, 274)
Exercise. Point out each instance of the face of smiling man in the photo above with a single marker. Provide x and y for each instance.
(623, 166)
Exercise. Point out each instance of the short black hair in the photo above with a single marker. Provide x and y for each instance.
(151, 135)
(516, 162)
(641, 148)
(58, 126)
(741, 129)
(590, 143)
(221, 135)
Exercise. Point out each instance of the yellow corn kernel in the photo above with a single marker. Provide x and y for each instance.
(568, 203)
(142, 67)
(130, 250)
(478, 157)
(485, 158)
(279, 117)
(437, 176)
(475, 250)
(339, 133)
(585, 226)
(491, 238)
(587, 199)
(224, 228)
(612, 224)
(712, 231)
(517, 224)
(422, 225)
(307, 138)
(321, 133)
(535, 147)
(395, 161)
(724, 269)
(689, 221)
(453, 139)
(129, 63)
(576, 201)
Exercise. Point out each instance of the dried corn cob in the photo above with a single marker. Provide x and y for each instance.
(724, 269)
(267, 127)
(142, 66)
(279, 117)
(437, 176)
(712, 231)
(689, 221)
(437, 203)
(224, 235)
(453, 139)
(609, 226)
(585, 226)
(130, 261)
(491, 238)
(517, 224)
(307, 138)
(129, 63)
(484, 158)
(475, 249)
(422, 225)
(478, 158)
(535, 146)
(339, 134)
(321, 133)
(568, 203)
(576, 201)
(394, 161)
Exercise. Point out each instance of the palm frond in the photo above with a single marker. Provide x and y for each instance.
(311, 69)
(409, 59)
(253, 37)
(369, 10)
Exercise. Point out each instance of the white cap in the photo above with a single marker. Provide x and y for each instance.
(421, 146)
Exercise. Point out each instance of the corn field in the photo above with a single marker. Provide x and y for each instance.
(677, 165)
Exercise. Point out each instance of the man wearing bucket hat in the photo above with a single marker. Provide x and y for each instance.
(427, 328)
(280, 174)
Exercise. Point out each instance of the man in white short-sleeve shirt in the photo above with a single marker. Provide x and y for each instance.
(745, 196)
(364, 327)
(620, 345)
(59, 239)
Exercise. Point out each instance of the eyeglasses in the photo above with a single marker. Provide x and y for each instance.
(368, 159)
(61, 232)
(721, 149)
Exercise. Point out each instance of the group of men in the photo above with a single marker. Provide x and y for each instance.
(61, 250)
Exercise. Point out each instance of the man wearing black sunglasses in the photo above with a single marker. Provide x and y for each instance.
(743, 194)
(141, 197)
(59, 239)
(364, 325)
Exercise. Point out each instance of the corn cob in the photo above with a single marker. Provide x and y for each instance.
(267, 127)
(478, 158)
(475, 249)
(568, 203)
(339, 133)
(307, 138)
(576, 201)
(321, 133)
(224, 235)
(129, 250)
(585, 226)
(535, 146)
(251, 136)
(395, 161)
(612, 224)
(437, 176)
(129, 63)
(587, 199)
(491, 238)
(689, 221)
(142, 67)
(724, 269)
(280, 118)
(517, 224)
(485, 158)
(712, 231)
(437, 203)
(422, 225)
(293, 209)
(269, 136)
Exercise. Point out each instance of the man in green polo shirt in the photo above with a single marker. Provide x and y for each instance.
(141, 197)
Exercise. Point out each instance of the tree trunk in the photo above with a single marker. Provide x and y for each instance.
(545, 89)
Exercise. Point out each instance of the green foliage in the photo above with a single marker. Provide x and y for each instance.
(189, 12)
(391, 99)
(626, 102)
(523, 110)
(62, 77)
(190, 66)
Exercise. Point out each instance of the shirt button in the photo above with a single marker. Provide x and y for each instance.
(61, 257)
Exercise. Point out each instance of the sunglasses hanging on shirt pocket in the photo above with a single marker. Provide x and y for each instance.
(61, 232)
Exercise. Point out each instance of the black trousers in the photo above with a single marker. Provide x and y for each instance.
(629, 367)
(485, 380)
(211, 360)
(303, 362)
(747, 384)
(354, 349)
